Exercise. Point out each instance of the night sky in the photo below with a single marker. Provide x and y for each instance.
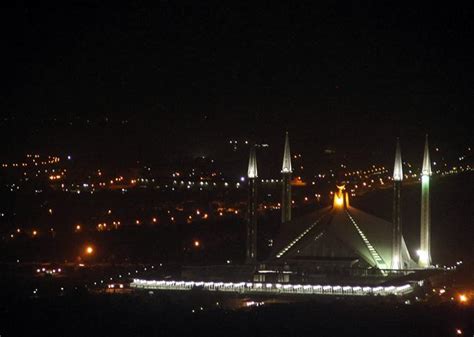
(186, 77)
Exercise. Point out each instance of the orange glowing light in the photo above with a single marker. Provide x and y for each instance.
(338, 201)
(196, 243)
(89, 250)
(78, 227)
(463, 298)
(154, 220)
(339, 196)
(35, 233)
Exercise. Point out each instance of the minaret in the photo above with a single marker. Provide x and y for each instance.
(286, 171)
(425, 236)
(252, 174)
(397, 262)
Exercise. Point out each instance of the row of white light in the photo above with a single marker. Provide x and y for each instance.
(271, 287)
(375, 255)
(292, 243)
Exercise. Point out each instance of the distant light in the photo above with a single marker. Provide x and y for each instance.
(242, 178)
(68, 157)
(196, 243)
(89, 250)
(463, 298)
(458, 332)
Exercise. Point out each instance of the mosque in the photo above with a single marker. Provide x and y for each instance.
(336, 250)
(340, 237)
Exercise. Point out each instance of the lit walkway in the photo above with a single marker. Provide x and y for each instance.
(272, 288)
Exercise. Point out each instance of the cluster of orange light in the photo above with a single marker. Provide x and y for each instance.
(103, 226)
(374, 170)
(117, 179)
(50, 160)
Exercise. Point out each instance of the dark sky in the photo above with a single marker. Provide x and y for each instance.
(187, 76)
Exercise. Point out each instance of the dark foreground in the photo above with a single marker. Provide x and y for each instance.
(176, 315)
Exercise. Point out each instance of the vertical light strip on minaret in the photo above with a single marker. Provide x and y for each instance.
(425, 236)
(252, 174)
(286, 167)
(397, 262)
(398, 169)
(286, 171)
(252, 171)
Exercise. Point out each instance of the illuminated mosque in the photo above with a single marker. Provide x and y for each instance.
(338, 250)
(339, 237)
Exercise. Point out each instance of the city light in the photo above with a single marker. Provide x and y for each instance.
(89, 250)
(463, 298)
(197, 243)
